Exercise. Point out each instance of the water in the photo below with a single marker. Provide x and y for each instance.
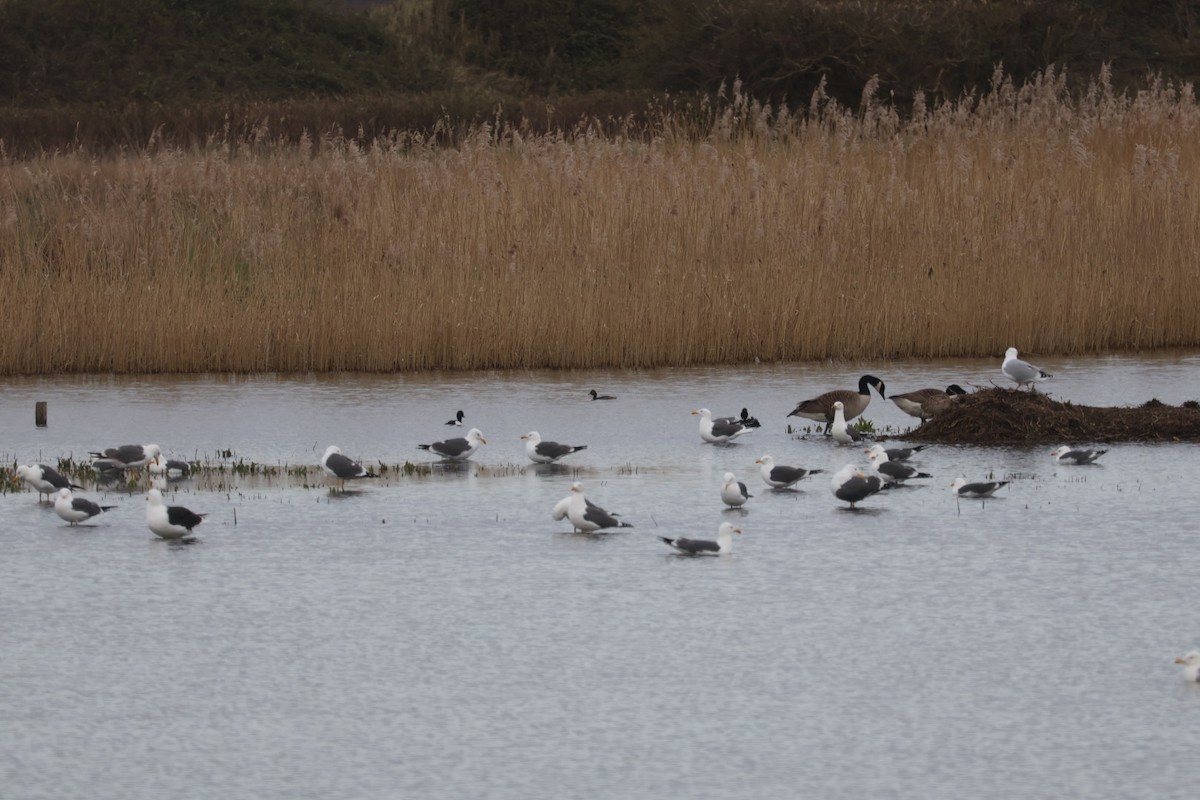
(440, 636)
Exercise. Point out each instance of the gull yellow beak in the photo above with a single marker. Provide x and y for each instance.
(1180, 661)
(483, 440)
(737, 530)
(695, 412)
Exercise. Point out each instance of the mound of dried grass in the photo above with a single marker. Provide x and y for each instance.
(1011, 416)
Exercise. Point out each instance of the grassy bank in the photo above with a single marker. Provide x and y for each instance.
(1026, 218)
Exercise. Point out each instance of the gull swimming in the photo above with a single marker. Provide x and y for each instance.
(705, 547)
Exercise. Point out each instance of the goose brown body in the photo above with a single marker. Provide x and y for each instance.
(820, 408)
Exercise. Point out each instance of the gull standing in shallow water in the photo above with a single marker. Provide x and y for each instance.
(459, 449)
(704, 547)
(961, 488)
(339, 466)
(169, 522)
(1075, 455)
(853, 485)
(44, 479)
(842, 433)
(76, 509)
(782, 477)
(541, 452)
(733, 492)
(895, 471)
(1022, 371)
(128, 455)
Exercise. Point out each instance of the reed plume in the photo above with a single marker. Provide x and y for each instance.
(736, 232)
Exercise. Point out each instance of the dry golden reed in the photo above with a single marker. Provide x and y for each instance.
(1023, 217)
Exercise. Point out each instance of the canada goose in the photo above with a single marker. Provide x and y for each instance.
(982, 489)
(705, 547)
(781, 477)
(459, 449)
(1022, 371)
(820, 408)
(1075, 455)
(541, 452)
(916, 403)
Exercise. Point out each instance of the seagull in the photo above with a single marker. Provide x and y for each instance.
(842, 434)
(983, 489)
(169, 522)
(601, 396)
(720, 430)
(781, 477)
(1022, 371)
(1072, 455)
(920, 402)
(895, 453)
(585, 515)
(820, 408)
(1191, 666)
(338, 466)
(168, 467)
(853, 485)
(704, 547)
(76, 509)
(895, 471)
(734, 492)
(540, 452)
(128, 455)
(457, 421)
(44, 479)
(457, 449)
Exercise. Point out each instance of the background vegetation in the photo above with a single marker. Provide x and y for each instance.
(76, 72)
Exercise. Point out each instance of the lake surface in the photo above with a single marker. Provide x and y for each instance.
(439, 636)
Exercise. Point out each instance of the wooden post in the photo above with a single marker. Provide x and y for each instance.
(39, 413)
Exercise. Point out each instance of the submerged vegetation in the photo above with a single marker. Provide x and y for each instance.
(726, 232)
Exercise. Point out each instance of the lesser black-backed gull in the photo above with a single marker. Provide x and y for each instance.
(852, 485)
(733, 492)
(339, 466)
(979, 489)
(706, 547)
(721, 430)
(46, 480)
(543, 452)
(585, 515)
(169, 522)
(780, 476)
(76, 509)
(1065, 454)
(459, 449)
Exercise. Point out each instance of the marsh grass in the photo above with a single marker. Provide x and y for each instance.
(721, 234)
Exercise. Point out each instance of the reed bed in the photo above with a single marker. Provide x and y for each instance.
(1023, 217)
